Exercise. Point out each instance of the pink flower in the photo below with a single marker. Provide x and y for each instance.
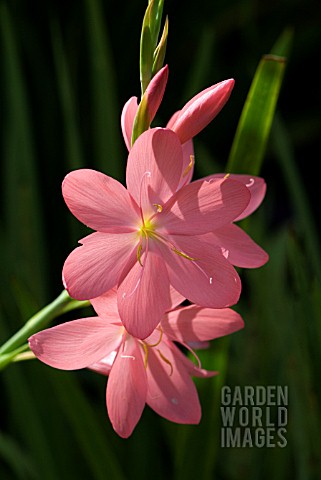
(237, 246)
(152, 371)
(148, 236)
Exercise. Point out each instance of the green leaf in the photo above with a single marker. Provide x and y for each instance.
(146, 59)
(72, 138)
(146, 51)
(255, 123)
(23, 414)
(152, 55)
(160, 51)
(23, 216)
(103, 94)
(297, 192)
(16, 458)
(155, 19)
(85, 424)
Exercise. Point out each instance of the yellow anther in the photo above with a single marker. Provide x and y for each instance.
(183, 254)
(159, 207)
(139, 250)
(146, 354)
(189, 166)
(226, 176)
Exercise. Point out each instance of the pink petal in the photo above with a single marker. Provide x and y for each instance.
(188, 155)
(238, 247)
(256, 185)
(95, 267)
(201, 110)
(171, 391)
(104, 365)
(193, 323)
(76, 344)
(106, 305)
(176, 297)
(203, 206)
(99, 201)
(127, 120)
(126, 389)
(155, 91)
(206, 279)
(154, 168)
(143, 295)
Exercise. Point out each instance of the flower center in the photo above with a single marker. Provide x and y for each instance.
(147, 229)
(148, 226)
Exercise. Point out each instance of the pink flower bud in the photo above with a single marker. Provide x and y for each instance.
(200, 110)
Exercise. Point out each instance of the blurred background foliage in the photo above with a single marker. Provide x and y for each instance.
(66, 69)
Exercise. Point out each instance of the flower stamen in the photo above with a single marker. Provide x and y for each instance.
(159, 340)
(139, 250)
(184, 255)
(166, 361)
(189, 166)
(145, 347)
(193, 353)
(148, 175)
(159, 207)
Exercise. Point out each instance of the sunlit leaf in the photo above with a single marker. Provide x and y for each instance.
(255, 123)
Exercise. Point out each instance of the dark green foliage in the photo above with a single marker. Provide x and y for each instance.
(66, 69)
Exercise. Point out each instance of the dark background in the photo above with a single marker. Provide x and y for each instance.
(66, 69)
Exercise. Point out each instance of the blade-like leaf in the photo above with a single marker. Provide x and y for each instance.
(105, 113)
(22, 207)
(86, 427)
(297, 192)
(72, 139)
(254, 126)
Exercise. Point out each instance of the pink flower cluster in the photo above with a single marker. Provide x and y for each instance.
(162, 240)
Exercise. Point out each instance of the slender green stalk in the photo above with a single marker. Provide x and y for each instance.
(62, 304)
(12, 356)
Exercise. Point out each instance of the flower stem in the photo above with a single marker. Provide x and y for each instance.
(62, 304)
(12, 356)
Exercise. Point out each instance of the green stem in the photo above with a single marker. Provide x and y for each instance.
(7, 358)
(62, 304)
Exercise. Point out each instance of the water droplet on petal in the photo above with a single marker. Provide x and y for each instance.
(174, 401)
(251, 182)
(225, 252)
